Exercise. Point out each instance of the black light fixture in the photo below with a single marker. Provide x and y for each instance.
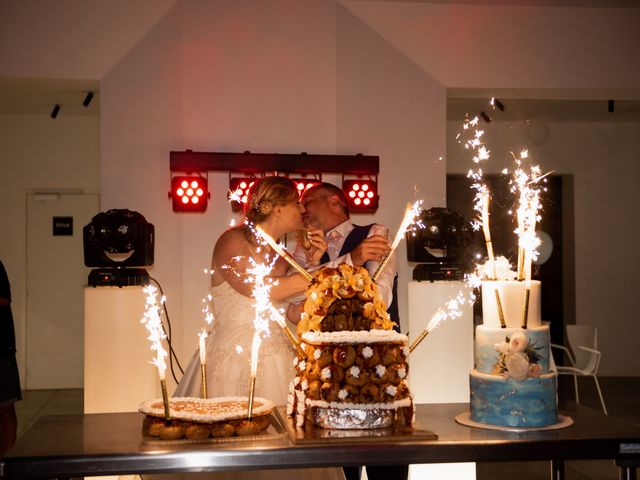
(87, 99)
(611, 106)
(114, 241)
(55, 111)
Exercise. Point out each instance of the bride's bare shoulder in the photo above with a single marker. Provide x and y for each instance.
(231, 243)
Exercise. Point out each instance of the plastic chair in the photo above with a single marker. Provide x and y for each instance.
(584, 356)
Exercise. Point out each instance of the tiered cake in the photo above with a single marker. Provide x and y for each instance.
(512, 384)
(354, 375)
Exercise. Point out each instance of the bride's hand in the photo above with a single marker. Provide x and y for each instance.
(317, 246)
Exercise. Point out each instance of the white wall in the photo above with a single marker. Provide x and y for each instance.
(602, 157)
(289, 76)
(234, 76)
(38, 152)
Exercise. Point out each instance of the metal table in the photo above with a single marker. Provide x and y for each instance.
(112, 443)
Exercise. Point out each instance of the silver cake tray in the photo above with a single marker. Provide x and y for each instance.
(317, 435)
(465, 419)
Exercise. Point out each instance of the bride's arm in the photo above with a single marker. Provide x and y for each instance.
(231, 256)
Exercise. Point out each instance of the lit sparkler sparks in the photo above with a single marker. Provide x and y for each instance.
(280, 250)
(411, 218)
(265, 312)
(527, 186)
(153, 322)
(202, 336)
(482, 198)
(451, 310)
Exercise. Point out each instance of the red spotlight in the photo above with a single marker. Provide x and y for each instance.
(362, 194)
(239, 191)
(189, 194)
(304, 184)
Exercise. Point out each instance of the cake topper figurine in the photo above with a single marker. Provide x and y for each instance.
(152, 321)
(411, 217)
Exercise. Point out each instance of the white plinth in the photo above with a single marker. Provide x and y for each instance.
(439, 367)
(117, 372)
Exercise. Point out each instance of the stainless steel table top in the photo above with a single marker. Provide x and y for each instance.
(113, 443)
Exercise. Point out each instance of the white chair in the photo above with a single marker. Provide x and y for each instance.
(583, 355)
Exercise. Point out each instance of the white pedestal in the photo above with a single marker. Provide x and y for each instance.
(439, 367)
(117, 372)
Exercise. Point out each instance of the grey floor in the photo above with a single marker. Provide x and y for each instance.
(622, 396)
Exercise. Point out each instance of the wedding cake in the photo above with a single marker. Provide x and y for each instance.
(512, 384)
(195, 418)
(355, 372)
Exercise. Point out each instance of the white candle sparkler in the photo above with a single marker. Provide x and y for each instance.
(153, 322)
(527, 185)
(264, 312)
(411, 217)
(452, 310)
(280, 250)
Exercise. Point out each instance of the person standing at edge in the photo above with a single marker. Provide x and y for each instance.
(9, 378)
(326, 207)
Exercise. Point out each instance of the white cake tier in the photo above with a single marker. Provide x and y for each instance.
(512, 297)
(495, 345)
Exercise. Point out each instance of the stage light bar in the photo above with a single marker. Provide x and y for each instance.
(239, 190)
(362, 194)
(189, 193)
(304, 184)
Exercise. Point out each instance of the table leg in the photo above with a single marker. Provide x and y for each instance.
(628, 473)
(557, 469)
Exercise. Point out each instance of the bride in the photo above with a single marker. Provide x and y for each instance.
(274, 205)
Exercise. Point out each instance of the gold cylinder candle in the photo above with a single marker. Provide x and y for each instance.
(203, 374)
(294, 341)
(417, 341)
(500, 311)
(252, 388)
(525, 315)
(165, 399)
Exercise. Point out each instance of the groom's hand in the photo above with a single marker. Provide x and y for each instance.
(372, 248)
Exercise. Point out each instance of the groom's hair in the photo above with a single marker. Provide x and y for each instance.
(329, 190)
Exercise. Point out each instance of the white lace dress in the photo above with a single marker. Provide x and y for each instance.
(228, 348)
(228, 365)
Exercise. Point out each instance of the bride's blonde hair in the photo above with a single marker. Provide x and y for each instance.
(266, 194)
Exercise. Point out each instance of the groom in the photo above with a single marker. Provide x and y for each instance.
(327, 207)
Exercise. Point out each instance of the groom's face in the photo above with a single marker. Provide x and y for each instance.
(317, 212)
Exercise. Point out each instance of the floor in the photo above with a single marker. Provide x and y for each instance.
(622, 396)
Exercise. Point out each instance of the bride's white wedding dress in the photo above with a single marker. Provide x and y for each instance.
(228, 348)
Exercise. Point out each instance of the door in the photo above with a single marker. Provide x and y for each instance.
(56, 276)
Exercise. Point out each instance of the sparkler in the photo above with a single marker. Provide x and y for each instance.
(208, 318)
(527, 185)
(264, 312)
(451, 310)
(411, 217)
(283, 253)
(152, 321)
(482, 199)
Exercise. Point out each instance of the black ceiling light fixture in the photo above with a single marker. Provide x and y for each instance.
(87, 99)
(55, 111)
